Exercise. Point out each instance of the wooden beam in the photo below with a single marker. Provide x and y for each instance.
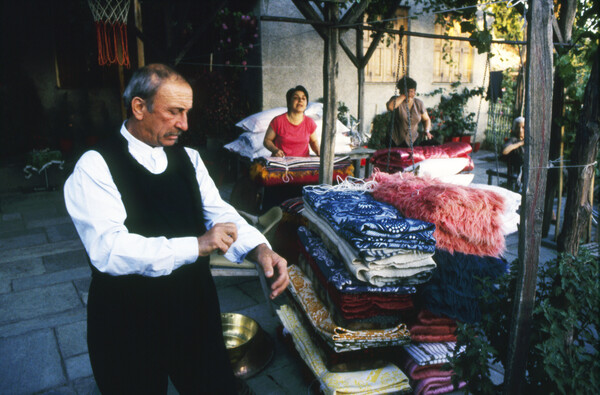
(360, 69)
(355, 12)
(269, 18)
(538, 116)
(310, 14)
(349, 53)
(137, 11)
(330, 68)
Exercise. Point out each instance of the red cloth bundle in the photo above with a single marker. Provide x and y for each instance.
(429, 379)
(401, 158)
(467, 220)
(354, 306)
(429, 328)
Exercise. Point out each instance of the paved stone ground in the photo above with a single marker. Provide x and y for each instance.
(44, 280)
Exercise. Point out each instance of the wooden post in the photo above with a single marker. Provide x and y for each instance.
(361, 80)
(330, 68)
(538, 115)
(137, 11)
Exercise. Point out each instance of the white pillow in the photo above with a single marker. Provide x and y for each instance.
(436, 168)
(250, 145)
(259, 122)
(458, 179)
(342, 140)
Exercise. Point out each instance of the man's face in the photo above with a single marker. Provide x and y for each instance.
(168, 119)
(298, 101)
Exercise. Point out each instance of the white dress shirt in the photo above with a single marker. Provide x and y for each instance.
(96, 208)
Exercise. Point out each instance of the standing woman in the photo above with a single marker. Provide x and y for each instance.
(401, 135)
(290, 134)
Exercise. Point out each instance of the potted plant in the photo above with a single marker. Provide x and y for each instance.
(449, 119)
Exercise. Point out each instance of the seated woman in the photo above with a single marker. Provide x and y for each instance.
(401, 135)
(290, 134)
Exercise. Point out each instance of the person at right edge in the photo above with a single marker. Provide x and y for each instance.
(401, 135)
(149, 217)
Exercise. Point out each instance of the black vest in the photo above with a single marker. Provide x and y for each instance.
(166, 204)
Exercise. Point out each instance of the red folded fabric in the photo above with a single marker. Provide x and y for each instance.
(429, 328)
(416, 372)
(467, 220)
(436, 385)
(426, 317)
(401, 158)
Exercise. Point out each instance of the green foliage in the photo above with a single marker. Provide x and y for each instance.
(564, 343)
(380, 132)
(448, 117)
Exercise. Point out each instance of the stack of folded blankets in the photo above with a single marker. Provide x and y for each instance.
(354, 281)
(471, 224)
(377, 244)
(424, 365)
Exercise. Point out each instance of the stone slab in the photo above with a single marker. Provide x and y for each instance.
(23, 238)
(38, 302)
(78, 367)
(72, 339)
(30, 363)
(51, 278)
(34, 251)
(5, 285)
(47, 321)
(22, 268)
(46, 222)
(62, 232)
(65, 260)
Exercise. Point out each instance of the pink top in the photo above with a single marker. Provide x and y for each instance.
(292, 139)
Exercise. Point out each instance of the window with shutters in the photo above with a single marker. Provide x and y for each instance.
(452, 60)
(383, 64)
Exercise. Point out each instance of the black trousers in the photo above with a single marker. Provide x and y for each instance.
(142, 330)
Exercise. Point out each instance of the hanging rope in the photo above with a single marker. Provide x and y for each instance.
(110, 18)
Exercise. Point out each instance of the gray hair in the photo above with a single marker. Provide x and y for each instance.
(145, 82)
(517, 121)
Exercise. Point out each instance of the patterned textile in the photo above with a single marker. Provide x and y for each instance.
(430, 353)
(266, 175)
(404, 267)
(337, 274)
(453, 290)
(358, 314)
(341, 339)
(429, 328)
(376, 381)
(368, 225)
(428, 379)
(468, 220)
(401, 158)
(436, 385)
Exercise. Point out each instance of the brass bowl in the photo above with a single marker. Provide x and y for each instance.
(238, 332)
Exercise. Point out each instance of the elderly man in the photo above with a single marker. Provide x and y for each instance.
(149, 215)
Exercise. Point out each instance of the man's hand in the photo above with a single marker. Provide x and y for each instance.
(274, 266)
(219, 237)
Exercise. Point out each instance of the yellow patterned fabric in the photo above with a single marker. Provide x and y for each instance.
(340, 338)
(375, 381)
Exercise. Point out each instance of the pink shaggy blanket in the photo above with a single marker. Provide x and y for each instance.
(467, 220)
(401, 158)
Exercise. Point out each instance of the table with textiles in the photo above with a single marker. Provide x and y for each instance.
(375, 298)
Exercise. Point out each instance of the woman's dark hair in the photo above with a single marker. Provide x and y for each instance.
(144, 83)
(406, 83)
(290, 94)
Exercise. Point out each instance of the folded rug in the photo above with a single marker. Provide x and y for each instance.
(468, 220)
(436, 385)
(367, 224)
(277, 175)
(430, 328)
(341, 339)
(455, 289)
(431, 353)
(376, 381)
(398, 267)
